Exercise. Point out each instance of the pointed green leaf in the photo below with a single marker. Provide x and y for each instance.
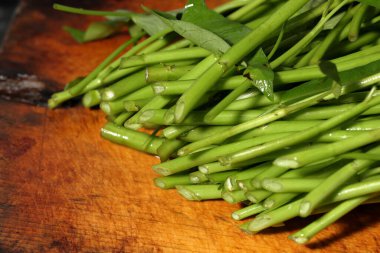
(260, 74)
(330, 70)
(197, 13)
(305, 90)
(354, 75)
(76, 34)
(259, 59)
(317, 86)
(151, 24)
(101, 30)
(196, 34)
(96, 31)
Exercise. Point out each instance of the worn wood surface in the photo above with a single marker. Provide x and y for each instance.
(64, 189)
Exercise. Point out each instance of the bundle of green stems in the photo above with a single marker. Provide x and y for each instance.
(294, 135)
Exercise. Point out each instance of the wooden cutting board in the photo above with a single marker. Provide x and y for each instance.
(64, 189)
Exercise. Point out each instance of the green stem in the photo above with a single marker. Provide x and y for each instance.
(245, 185)
(172, 132)
(297, 48)
(201, 132)
(348, 47)
(150, 45)
(164, 56)
(278, 43)
(159, 102)
(314, 72)
(247, 211)
(236, 53)
(92, 98)
(201, 158)
(257, 122)
(135, 105)
(300, 137)
(301, 20)
(168, 148)
(356, 22)
(155, 74)
(200, 192)
(257, 196)
(305, 59)
(155, 102)
(217, 167)
(291, 210)
(360, 155)
(81, 11)
(61, 97)
(127, 137)
(332, 37)
(236, 15)
(290, 184)
(171, 182)
(273, 171)
(278, 199)
(345, 63)
(230, 5)
(121, 118)
(226, 101)
(197, 118)
(305, 234)
(231, 183)
(370, 172)
(117, 106)
(124, 86)
(198, 177)
(234, 197)
(220, 177)
(333, 182)
(326, 112)
(320, 153)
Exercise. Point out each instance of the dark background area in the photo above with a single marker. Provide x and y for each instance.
(7, 8)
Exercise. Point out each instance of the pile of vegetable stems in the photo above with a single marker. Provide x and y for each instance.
(312, 146)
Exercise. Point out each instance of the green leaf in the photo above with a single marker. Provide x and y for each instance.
(260, 74)
(195, 34)
(354, 75)
(96, 31)
(306, 90)
(329, 69)
(317, 86)
(375, 3)
(151, 24)
(197, 13)
(76, 34)
(101, 30)
(259, 59)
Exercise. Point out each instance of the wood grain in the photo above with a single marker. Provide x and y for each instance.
(64, 189)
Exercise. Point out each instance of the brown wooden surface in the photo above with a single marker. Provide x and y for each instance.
(64, 189)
